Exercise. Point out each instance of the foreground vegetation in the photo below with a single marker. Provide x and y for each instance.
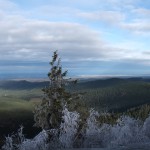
(131, 98)
(16, 109)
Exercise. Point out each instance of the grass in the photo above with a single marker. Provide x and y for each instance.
(20, 94)
(14, 106)
(14, 112)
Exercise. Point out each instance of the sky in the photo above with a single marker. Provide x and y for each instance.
(93, 38)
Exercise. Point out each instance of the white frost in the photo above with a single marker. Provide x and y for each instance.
(128, 133)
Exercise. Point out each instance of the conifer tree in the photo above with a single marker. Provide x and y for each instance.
(48, 114)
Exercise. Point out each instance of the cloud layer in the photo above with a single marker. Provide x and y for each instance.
(107, 31)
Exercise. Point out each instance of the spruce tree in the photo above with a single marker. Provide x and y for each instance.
(48, 114)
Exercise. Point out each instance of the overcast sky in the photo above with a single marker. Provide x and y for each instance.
(97, 37)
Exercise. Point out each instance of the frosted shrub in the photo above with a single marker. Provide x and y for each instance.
(146, 127)
(92, 129)
(61, 138)
(47, 139)
(68, 128)
(96, 135)
(8, 143)
(13, 142)
(39, 142)
(127, 131)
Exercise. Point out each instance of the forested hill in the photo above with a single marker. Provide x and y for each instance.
(100, 83)
(87, 84)
(22, 84)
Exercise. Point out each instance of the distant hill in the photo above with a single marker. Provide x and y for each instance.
(22, 84)
(112, 94)
(102, 83)
(87, 84)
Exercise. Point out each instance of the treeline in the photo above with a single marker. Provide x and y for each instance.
(139, 113)
(117, 98)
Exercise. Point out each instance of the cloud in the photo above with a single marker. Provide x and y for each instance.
(25, 37)
(140, 27)
(35, 40)
(143, 12)
(131, 21)
(7, 5)
(106, 16)
(139, 21)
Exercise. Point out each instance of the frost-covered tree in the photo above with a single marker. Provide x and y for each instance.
(48, 114)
